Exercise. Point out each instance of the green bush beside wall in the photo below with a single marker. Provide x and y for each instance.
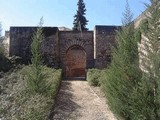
(95, 76)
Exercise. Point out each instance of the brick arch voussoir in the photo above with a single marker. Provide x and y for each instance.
(70, 44)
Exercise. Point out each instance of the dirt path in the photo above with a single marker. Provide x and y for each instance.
(78, 101)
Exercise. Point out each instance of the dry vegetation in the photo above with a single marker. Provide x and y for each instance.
(17, 102)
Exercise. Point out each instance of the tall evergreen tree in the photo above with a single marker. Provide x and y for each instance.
(151, 56)
(124, 71)
(80, 20)
(134, 94)
(36, 78)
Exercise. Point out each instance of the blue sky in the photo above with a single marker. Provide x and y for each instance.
(60, 12)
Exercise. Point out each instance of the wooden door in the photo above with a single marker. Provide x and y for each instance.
(75, 64)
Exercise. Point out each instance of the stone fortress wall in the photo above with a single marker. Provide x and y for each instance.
(96, 44)
(21, 38)
(104, 40)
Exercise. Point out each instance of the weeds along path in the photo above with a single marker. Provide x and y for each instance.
(76, 100)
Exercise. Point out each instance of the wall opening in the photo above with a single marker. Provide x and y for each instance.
(75, 64)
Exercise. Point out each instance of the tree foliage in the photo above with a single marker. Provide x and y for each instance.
(80, 20)
(36, 77)
(124, 73)
(134, 94)
(151, 57)
(36, 44)
(5, 63)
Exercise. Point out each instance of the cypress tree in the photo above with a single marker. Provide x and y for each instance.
(150, 57)
(124, 71)
(134, 94)
(36, 78)
(80, 20)
(36, 44)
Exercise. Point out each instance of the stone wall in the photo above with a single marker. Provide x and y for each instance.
(50, 47)
(97, 44)
(68, 39)
(104, 39)
(21, 38)
(144, 40)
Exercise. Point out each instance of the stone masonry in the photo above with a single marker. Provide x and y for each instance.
(104, 40)
(66, 48)
(72, 51)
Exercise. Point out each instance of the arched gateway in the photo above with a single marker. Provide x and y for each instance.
(75, 65)
(71, 51)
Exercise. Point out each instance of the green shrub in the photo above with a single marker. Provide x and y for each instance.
(123, 75)
(151, 61)
(40, 83)
(19, 103)
(131, 93)
(48, 93)
(94, 76)
(5, 63)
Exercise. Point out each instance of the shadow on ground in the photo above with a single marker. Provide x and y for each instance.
(64, 105)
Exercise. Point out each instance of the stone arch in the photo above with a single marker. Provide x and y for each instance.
(75, 64)
(72, 43)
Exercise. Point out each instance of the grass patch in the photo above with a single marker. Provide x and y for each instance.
(17, 102)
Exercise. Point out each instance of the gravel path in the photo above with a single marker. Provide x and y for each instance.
(76, 100)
